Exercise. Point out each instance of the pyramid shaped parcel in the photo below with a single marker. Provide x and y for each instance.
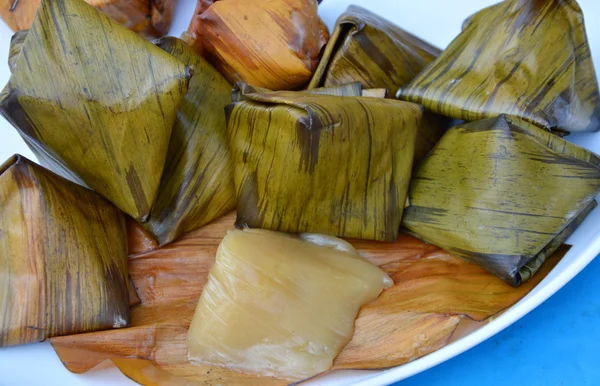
(525, 58)
(197, 184)
(63, 257)
(95, 102)
(367, 48)
(502, 193)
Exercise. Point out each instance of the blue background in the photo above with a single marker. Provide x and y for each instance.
(558, 343)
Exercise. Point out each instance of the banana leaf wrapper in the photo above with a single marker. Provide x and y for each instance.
(197, 184)
(367, 48)
(322, 164)
(149, 18)
(525, 58)
(16, 43)
(103, 119)
(503, 194)
(437, 298)
(240, 89)
(274, 44)
(139, 239)
(63, 257)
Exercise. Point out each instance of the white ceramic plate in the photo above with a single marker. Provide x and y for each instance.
(437, 21)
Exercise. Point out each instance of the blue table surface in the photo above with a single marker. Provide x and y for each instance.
(558, 343)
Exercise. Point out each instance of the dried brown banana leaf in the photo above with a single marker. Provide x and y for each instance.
(104, 118)
(322, 164)
(367, 48)
(197, 184)
(524, 58)
(149, 18)
(274, 44)
(169, 282)
(161, 15)
(138, 239)
(240, 89)
(63, 257)
(502, 193)
(18, 14)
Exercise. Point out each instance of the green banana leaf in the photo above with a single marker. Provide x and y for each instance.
(96, 99)
(432, 128)
(502, 193)
(16, 42)
(367, 48)
(240, 89)
(63, 257)
(197, 185)
(525, 58)
(323, 164)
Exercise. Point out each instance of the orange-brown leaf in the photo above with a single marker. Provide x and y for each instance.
(383, 339)
(431, 304)
(18, 16)
(273, 44)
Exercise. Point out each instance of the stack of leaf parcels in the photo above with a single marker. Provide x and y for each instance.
(493, 191)
(367, 48)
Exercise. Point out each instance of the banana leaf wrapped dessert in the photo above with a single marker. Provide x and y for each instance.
(197, 185)
(273, 44)
(63, 257)
(149, 18)
(91, 110)
(311, 286)
(324, 164)
(367, 48)
(525, 58)
(240, 89)
(502, 193)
